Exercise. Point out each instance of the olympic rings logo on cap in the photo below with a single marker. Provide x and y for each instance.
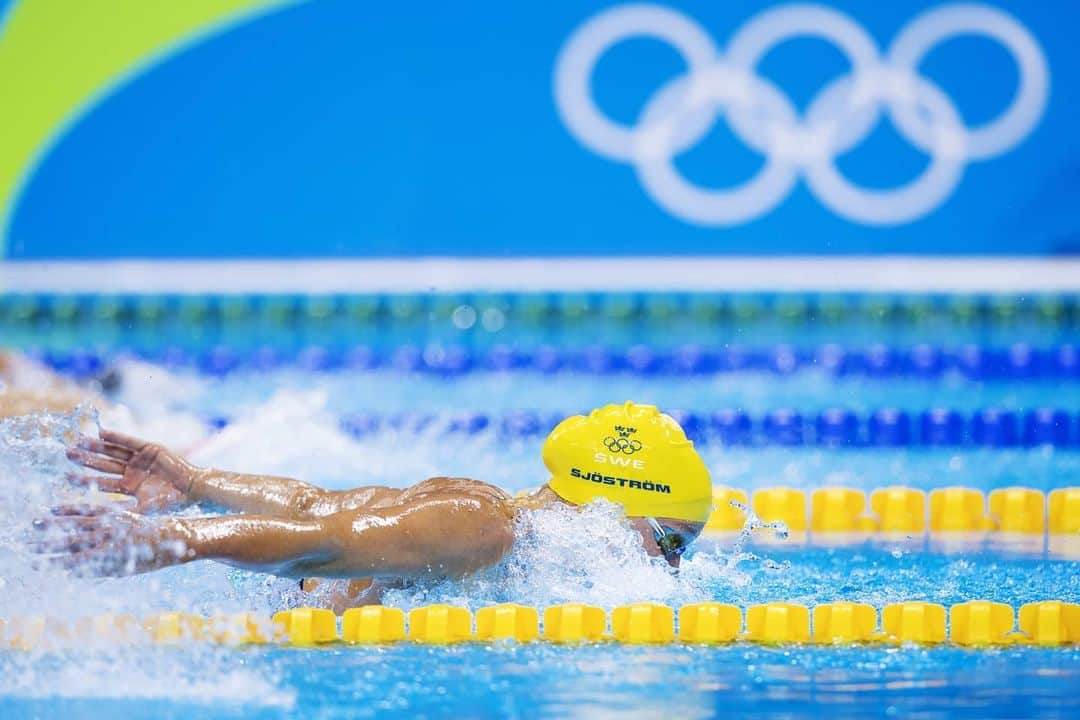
(621, 444)
(838, 118)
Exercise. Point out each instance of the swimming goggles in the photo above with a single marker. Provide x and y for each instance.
(671, 543)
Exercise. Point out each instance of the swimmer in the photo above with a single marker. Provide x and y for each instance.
(157, 409)
(29, 387)
(442, 527)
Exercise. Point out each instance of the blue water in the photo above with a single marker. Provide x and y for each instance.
(619, 682)
(287, 421)
(388, 391)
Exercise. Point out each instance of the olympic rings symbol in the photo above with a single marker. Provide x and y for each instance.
(839, 118)
(621, 444)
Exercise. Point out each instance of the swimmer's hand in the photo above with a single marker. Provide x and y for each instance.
(157, 478)
(97, 541)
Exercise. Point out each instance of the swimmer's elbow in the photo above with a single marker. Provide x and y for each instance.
(497, 544)
(310, 502)
(487, 556)
(486, 545)
(447, 539)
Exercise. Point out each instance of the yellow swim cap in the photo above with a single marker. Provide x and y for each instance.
(633, 455)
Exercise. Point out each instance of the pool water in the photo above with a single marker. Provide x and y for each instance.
(585, 682)
(283, 418)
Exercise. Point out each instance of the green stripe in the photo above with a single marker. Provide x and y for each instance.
(59, 58)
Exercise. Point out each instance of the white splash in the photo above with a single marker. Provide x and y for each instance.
(197, 674)
(588, 554)
(562, 554)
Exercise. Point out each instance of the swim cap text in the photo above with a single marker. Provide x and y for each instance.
(603, 458)
(601, 479)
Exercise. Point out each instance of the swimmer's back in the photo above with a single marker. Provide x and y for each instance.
(374, 497)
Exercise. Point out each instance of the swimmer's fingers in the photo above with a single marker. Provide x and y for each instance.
(69, 522)
(119, 452)
(106, 483)
(80, 510)
(73, 532)
(112, 558)
(77, 540)
(120, 439)
(96, 462)
(96, 562)
(90, 540)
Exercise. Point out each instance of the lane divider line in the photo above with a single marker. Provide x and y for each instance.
(975, 623)
(1016, 362)
(832, 429)
(1012, 510)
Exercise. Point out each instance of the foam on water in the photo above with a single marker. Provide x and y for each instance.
(31, 481)
(200, 675)
(592, 555)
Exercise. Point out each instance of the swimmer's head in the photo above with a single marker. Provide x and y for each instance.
(640, 458)
(110, 381)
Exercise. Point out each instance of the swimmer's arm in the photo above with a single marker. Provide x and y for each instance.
(159, 479)
(442, 536)
(277, 496)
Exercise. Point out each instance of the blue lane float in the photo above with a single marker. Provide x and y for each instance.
(1047, 426)
(783, 427)
(995, 428)
(941, 427)
(1018, 362)
(836, 427)
(889, 427)
(731, 427)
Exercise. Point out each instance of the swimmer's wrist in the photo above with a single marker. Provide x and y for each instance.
(179, 538)
(196, 482)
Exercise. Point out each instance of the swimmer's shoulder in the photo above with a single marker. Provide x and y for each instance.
(373, 497)
(458, 485)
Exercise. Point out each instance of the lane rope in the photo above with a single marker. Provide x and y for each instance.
(977, 623)
(484, 310)
(1017, 362)
(833, 428)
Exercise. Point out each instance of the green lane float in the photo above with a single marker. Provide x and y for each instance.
(533, 308)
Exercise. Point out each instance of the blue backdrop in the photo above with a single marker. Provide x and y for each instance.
(388, 129)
